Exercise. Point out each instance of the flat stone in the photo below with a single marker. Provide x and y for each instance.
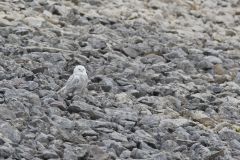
(82, 107)
(139, 154)
(213, 59)
(118, 137)
(10, 132)
(63, 122)
(59, 105)
(5, 152)
(227, 134)
(34, 21)
(48, 154)
(141, 135)
(131, 52)
(98, 153)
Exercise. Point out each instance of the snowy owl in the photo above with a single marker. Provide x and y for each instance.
(77, 81)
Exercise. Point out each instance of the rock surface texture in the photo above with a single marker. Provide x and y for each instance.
(164, 79)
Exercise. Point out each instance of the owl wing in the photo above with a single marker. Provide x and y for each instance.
(68, 86)
(73, 82)
(82, 84)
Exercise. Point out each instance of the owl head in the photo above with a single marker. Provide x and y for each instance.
(79, 69)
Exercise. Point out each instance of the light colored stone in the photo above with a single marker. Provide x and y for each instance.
(34, 21)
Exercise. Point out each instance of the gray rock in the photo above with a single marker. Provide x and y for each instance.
(176, 53)
(125, 154)
(152, 93)
(152, 59)
(5, 23)
(182, 133)
(6, 114)
(147, 100)
(63, 122)
(131, 52)
(6, 151)
(87, 132)
(46, 93)
(141, 135)
(181, 148)
(22, 95)
(21, 30)
(227, 134)
(169, 145)
(59, 105)
(216, 89)
(97, 43)
(10, 132)
(62, 10)
(34, 21)
(198, 151)
(54, 111)
(213, 59)
(118, 137)
(25, 152)
(144, 48)
(48, 154)
(98, 153)
(43, 138)
(237, 78)
(71, 152)
(186, 66)
(30, 85)
(217, 154)
(149, 121)
(84, 124)
(82, 107)
(136, 93)
(39, 70)
(115, 146)
(205, 65)
(168, 155)
(122, 114)
(106, 84)
(40, 125)
(235, 144)
(2, 75)
(139, 154)
(162, 67)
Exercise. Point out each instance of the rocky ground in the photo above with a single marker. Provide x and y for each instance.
(164, 79)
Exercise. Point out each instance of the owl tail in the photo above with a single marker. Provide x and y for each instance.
(62, 92)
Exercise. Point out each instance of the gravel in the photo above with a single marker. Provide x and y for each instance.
(163, 79)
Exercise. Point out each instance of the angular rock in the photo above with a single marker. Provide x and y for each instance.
(63, 123)
(82, 107)
(131, 52)
(139, 154)
(10, 132)
(48, 154)
(213, 59)
(98, 153)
